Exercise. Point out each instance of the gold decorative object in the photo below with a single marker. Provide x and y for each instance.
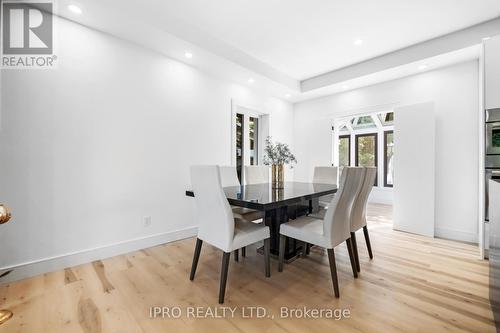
(277, 155)
(277, 194)
(4, 218)
(4, 214)
(278, 176)
(5, 315)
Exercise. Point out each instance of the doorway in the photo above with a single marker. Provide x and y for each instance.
(249, 130)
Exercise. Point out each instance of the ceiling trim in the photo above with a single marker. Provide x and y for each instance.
(433, 47)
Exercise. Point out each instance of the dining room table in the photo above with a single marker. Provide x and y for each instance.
(279, 206)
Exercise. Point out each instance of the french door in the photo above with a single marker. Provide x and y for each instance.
(246, 141)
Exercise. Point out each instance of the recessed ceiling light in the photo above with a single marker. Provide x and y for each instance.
(358, 42)
(75, 9)
(345, 86)
(422, 67)
(188, 55)
(288, 95)
(251, 80)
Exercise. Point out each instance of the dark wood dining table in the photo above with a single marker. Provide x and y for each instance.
(279, 205)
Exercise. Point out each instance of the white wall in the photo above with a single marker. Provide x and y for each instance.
(454, 90)
(414, 131)
(89, 149)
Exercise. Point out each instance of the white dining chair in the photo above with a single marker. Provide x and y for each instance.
(229, 177)
(333, 230)
(217, 225)
(325, 175)
(358, 216)
(256, 174)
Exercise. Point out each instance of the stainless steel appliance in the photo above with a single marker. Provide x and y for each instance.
(490, 174)
(494, 250)
(492, 161)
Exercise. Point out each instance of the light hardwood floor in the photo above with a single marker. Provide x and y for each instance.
(413, 284)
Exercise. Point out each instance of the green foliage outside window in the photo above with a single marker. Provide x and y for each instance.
(366, 151)
(344, 152)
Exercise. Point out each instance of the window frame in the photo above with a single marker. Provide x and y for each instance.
(385, 157)
(356, 150)
(348, 137)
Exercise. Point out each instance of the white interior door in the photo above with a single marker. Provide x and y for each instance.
(414, 168)
(249, 129)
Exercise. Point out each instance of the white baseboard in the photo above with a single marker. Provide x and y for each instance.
(45, 265)
(462, 236)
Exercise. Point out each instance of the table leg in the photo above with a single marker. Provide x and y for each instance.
(313, 205)
(293, 248)
(273, 219)
(270, 221)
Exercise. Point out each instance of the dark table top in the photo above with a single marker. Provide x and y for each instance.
(264, 197)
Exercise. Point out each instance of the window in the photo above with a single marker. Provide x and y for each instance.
(366, 151)
(344, 150)
(388, 158)
(363, 122)
(386, 118)
(239, 144)
(358, 144)
(343, 128)
(253, 127)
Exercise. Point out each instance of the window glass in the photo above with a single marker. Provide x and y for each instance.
(363, 122)
(239, 144)
(388, 158)
(366, 150)
(386, 118)
(253, 126)
(344, 150)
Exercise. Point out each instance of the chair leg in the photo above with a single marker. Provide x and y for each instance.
(196, 256)
(223, 276)
(236, 258)
(351, 257)
(355, 250)
(368, 245)
(267, 251)
(244, 251)
(333, 271)
(282, 253)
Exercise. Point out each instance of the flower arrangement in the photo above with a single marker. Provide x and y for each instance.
(278, 153)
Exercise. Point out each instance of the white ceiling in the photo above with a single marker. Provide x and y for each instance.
(282, 42)
(306, 38)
